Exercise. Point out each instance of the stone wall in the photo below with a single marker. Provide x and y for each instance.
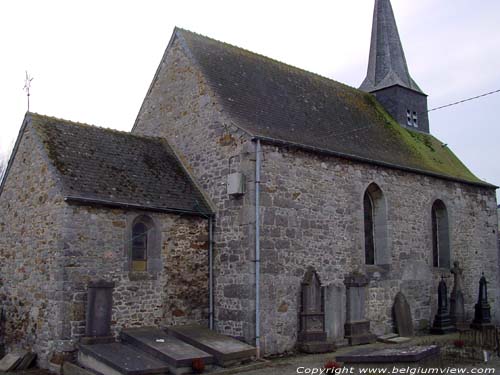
(173, 291)
(181, 107)
(50, 250)
(312, 215)
(31, 282)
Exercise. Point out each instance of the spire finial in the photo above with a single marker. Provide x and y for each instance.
(27, 87)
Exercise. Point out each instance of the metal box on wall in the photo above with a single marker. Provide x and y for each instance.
(236, 183)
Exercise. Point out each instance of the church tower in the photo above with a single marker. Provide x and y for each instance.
(388, 77)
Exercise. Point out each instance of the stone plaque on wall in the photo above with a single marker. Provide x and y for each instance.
(357, 327)
(99, 309)
(335, 313)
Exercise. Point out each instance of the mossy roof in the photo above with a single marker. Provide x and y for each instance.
(105, 166)
(275, 101)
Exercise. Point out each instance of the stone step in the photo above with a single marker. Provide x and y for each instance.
(119, 359)
(178, 354)
(226, 350)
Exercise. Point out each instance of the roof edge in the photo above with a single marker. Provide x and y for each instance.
(207, 201)
(323, 151)
(26, 121)
(397, 84)
(103, 202)
(155, 77)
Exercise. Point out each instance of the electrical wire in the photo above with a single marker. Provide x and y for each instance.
(464, 100)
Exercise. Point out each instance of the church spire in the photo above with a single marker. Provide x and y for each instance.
(388, 77)
(387, 63)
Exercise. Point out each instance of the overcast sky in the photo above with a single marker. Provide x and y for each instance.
(93, 61)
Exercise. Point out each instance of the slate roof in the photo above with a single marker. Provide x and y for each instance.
(387, 63)
(279, 103)
(99, 165)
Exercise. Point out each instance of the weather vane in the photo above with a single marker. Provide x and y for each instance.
(27, 86)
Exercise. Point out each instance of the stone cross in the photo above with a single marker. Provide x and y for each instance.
(457, 272)
(457, 308)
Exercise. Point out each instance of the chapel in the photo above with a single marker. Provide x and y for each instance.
(245, 188)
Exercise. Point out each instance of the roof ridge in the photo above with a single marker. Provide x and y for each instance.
(273, 60)
(103, 128)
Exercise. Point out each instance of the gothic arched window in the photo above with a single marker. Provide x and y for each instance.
(375, 226)
(440, 235)
(369, 230)
(139, 256)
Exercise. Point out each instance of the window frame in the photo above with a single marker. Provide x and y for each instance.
(440, 235)
(379, 226)
(152, 265)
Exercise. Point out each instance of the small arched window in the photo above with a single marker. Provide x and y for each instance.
(440, 235)
(139, 246)
(375, 226)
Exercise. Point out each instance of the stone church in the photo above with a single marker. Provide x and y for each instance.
(240, 175)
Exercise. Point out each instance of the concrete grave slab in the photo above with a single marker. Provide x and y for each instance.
(26, 362)
(178, 354)
(384, 338)
(398, 340)
(226, 350)
(117, 358)
(11, 360)
(69, 368)
(390, 355)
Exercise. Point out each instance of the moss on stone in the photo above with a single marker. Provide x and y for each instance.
(428, 150)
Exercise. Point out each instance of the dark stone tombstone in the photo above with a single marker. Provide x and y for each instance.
(312, 334)
(357, 328)
(402, 316)
(457, 309)
(442, 322)
(99, 308)
(482, 315)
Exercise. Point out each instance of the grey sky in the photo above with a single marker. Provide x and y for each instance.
(93, 61)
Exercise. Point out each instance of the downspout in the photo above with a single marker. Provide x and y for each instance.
(210, 274)
(257, 246)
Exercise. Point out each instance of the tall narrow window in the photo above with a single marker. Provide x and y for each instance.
(440, 235)
(139, 247)
(375, 226)
(415, 119)
(369, 242)
(408, 118)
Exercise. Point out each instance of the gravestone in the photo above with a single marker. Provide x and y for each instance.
(418, 355)
(442, 322)
(402, 316)
(99, 308)
(335, 313)
(312, 335)
(357, 327)
(482, 314)
(457, 309)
